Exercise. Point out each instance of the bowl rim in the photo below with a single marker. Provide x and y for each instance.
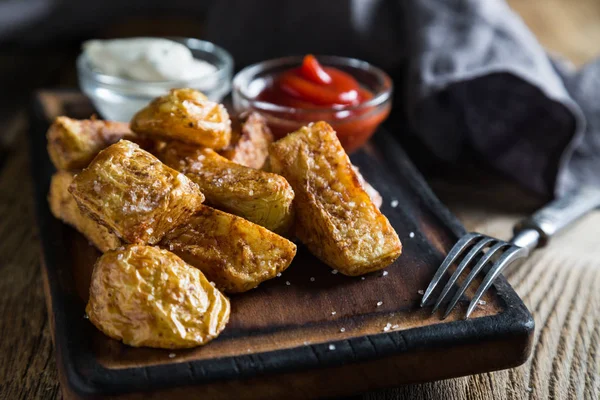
(222, 72)
(244, 77)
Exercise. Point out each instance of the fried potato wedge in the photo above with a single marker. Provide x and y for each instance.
(185, 115)
(371, 191)
(134, 194)
(336, 219)
(261, 197)
(145, 296)
(250, 145)
(64, 207)
(73, 144)
(232, 252)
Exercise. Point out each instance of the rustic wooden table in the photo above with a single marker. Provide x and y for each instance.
(559, 284)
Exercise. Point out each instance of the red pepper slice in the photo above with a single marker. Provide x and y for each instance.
(312, 70)
(312, 86)
(297, 87)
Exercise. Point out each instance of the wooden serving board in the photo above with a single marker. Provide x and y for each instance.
(292, 337)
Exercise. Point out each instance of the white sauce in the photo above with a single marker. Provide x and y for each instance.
(145, 59)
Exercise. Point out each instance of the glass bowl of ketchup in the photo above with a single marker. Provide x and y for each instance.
(353, 96)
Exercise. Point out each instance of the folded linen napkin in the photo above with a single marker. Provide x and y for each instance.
(479, 78)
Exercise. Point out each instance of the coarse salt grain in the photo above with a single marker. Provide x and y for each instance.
(384, 273)
(85, 316)
(395, 326)
(149, 231)
(278, 274)
(169, 219)
(172, 355)
(362, 278)
(331, 347)
(312, 278)
(379, 303)
(342, 329)
(387, 327)
(421, 292)
(412, 235)
(335, 271)
(394, 203)
(482, 302)
(287, 283)
(333, 312)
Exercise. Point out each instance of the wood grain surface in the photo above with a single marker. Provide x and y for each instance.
(569, 28)
(560, 284)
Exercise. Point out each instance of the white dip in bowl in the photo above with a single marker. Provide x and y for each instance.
(123, 75)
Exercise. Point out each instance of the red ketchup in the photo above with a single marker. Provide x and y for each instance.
(328, 92)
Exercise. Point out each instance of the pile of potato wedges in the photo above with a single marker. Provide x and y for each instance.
(186, 208)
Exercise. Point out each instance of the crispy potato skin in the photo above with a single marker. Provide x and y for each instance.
(250, 145)
(64, 207)
(232, 252)
(371, 191)
(261, 197)
(134, 194)
(336, 219)
(185, 115)
(145, 296)
(73, 144)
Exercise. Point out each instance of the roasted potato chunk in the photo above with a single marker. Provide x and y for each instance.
(73, 144)
(336, 219)
(371, 191)
(261, 197)
(250, 145)
(145, 296)
(134, 194)
(185, 115)
(64, 207)
(232, 252)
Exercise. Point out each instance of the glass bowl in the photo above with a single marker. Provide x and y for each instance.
(353, 124)
(118, 99)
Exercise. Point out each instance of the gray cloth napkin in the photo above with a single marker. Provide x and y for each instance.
(478, 78)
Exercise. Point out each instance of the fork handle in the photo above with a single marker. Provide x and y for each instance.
(561, 212)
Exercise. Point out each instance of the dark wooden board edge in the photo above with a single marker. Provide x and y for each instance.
(87, 378)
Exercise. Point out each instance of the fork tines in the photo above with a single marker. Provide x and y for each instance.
(482, 249)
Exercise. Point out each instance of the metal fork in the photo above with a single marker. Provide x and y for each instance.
(493, 255)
